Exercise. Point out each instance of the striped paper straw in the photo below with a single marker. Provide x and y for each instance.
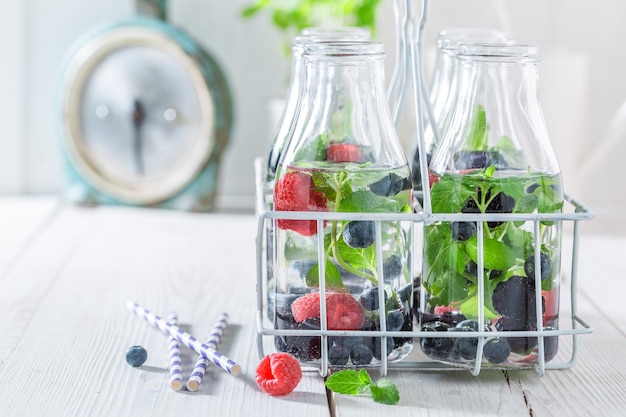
(175, 366)
(185, 338)
(212, 341)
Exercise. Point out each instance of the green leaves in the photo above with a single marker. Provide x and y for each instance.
(352, 382)
(478, 134)
(301, 14)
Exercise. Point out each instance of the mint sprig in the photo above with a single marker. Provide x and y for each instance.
(352, 382)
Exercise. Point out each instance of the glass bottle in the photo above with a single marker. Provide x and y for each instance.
(306, 36)
(495, 157)
(444, 85)
(344, 156)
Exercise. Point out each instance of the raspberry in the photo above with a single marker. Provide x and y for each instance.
(344, 152)
(305, 307)
(295, 192)
(343, 312)
(278, 373)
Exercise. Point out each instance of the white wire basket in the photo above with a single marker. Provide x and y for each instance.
(573, 213)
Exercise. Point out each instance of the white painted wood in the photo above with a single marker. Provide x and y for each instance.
(65, 328)
(22, 218)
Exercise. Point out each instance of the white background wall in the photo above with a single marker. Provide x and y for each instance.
(582, 81)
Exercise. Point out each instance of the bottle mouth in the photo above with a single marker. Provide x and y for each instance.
(347, 49)
(499, 51)
(320, 33)
(453, 38)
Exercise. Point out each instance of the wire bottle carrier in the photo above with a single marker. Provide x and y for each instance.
(573, 212)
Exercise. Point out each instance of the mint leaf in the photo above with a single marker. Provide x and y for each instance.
(496, 255)
(313, 150)
(385, 392)
(348, 381)
(351, 382)
(477, 137)
(332, 276)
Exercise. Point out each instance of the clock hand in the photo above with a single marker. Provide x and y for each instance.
(138, 117)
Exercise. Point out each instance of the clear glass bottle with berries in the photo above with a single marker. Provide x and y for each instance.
(483, 272)
(344, 156)
(279, 144)
(444, 85)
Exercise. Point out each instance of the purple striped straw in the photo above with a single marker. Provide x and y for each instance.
(185, 338)
(175, 366)
(212, 341)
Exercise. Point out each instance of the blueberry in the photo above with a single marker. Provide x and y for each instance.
(369, 298)
(395, 320)
(136, 356)
(497, 350)
(390, 185)
(515, 298)
(546, 266)
(338, 355)
(462, 231)
(392, 267)
(452, 318)
(361, 355)
(550, 345)
(472, 324)
(465, 347)
(437, 347)
(406, 292)
(375, 346)
(359, 234)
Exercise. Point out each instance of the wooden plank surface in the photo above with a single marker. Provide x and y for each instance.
(65, 328)
(22, 218)
(63, 349)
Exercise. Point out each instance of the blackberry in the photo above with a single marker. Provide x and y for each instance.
(437, 347)
(359, 234)
(369, 298)
(501, 203)
(390, 185)
(515, 298)
(302, 347)
(520, 345)
(361, 355)
(497, 350)
(462, 231)
(546, 266)
(136, 356)
(479, 159)
(338, 355)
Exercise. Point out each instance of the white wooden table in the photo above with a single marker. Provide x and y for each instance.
(66, 273)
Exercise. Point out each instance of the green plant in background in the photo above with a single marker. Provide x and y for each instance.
(291, 16)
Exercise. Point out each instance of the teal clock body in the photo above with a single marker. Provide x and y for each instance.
(145, 115)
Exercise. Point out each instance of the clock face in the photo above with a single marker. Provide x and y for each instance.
(139, 116)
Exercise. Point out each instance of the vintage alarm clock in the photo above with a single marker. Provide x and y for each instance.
(145, 116)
